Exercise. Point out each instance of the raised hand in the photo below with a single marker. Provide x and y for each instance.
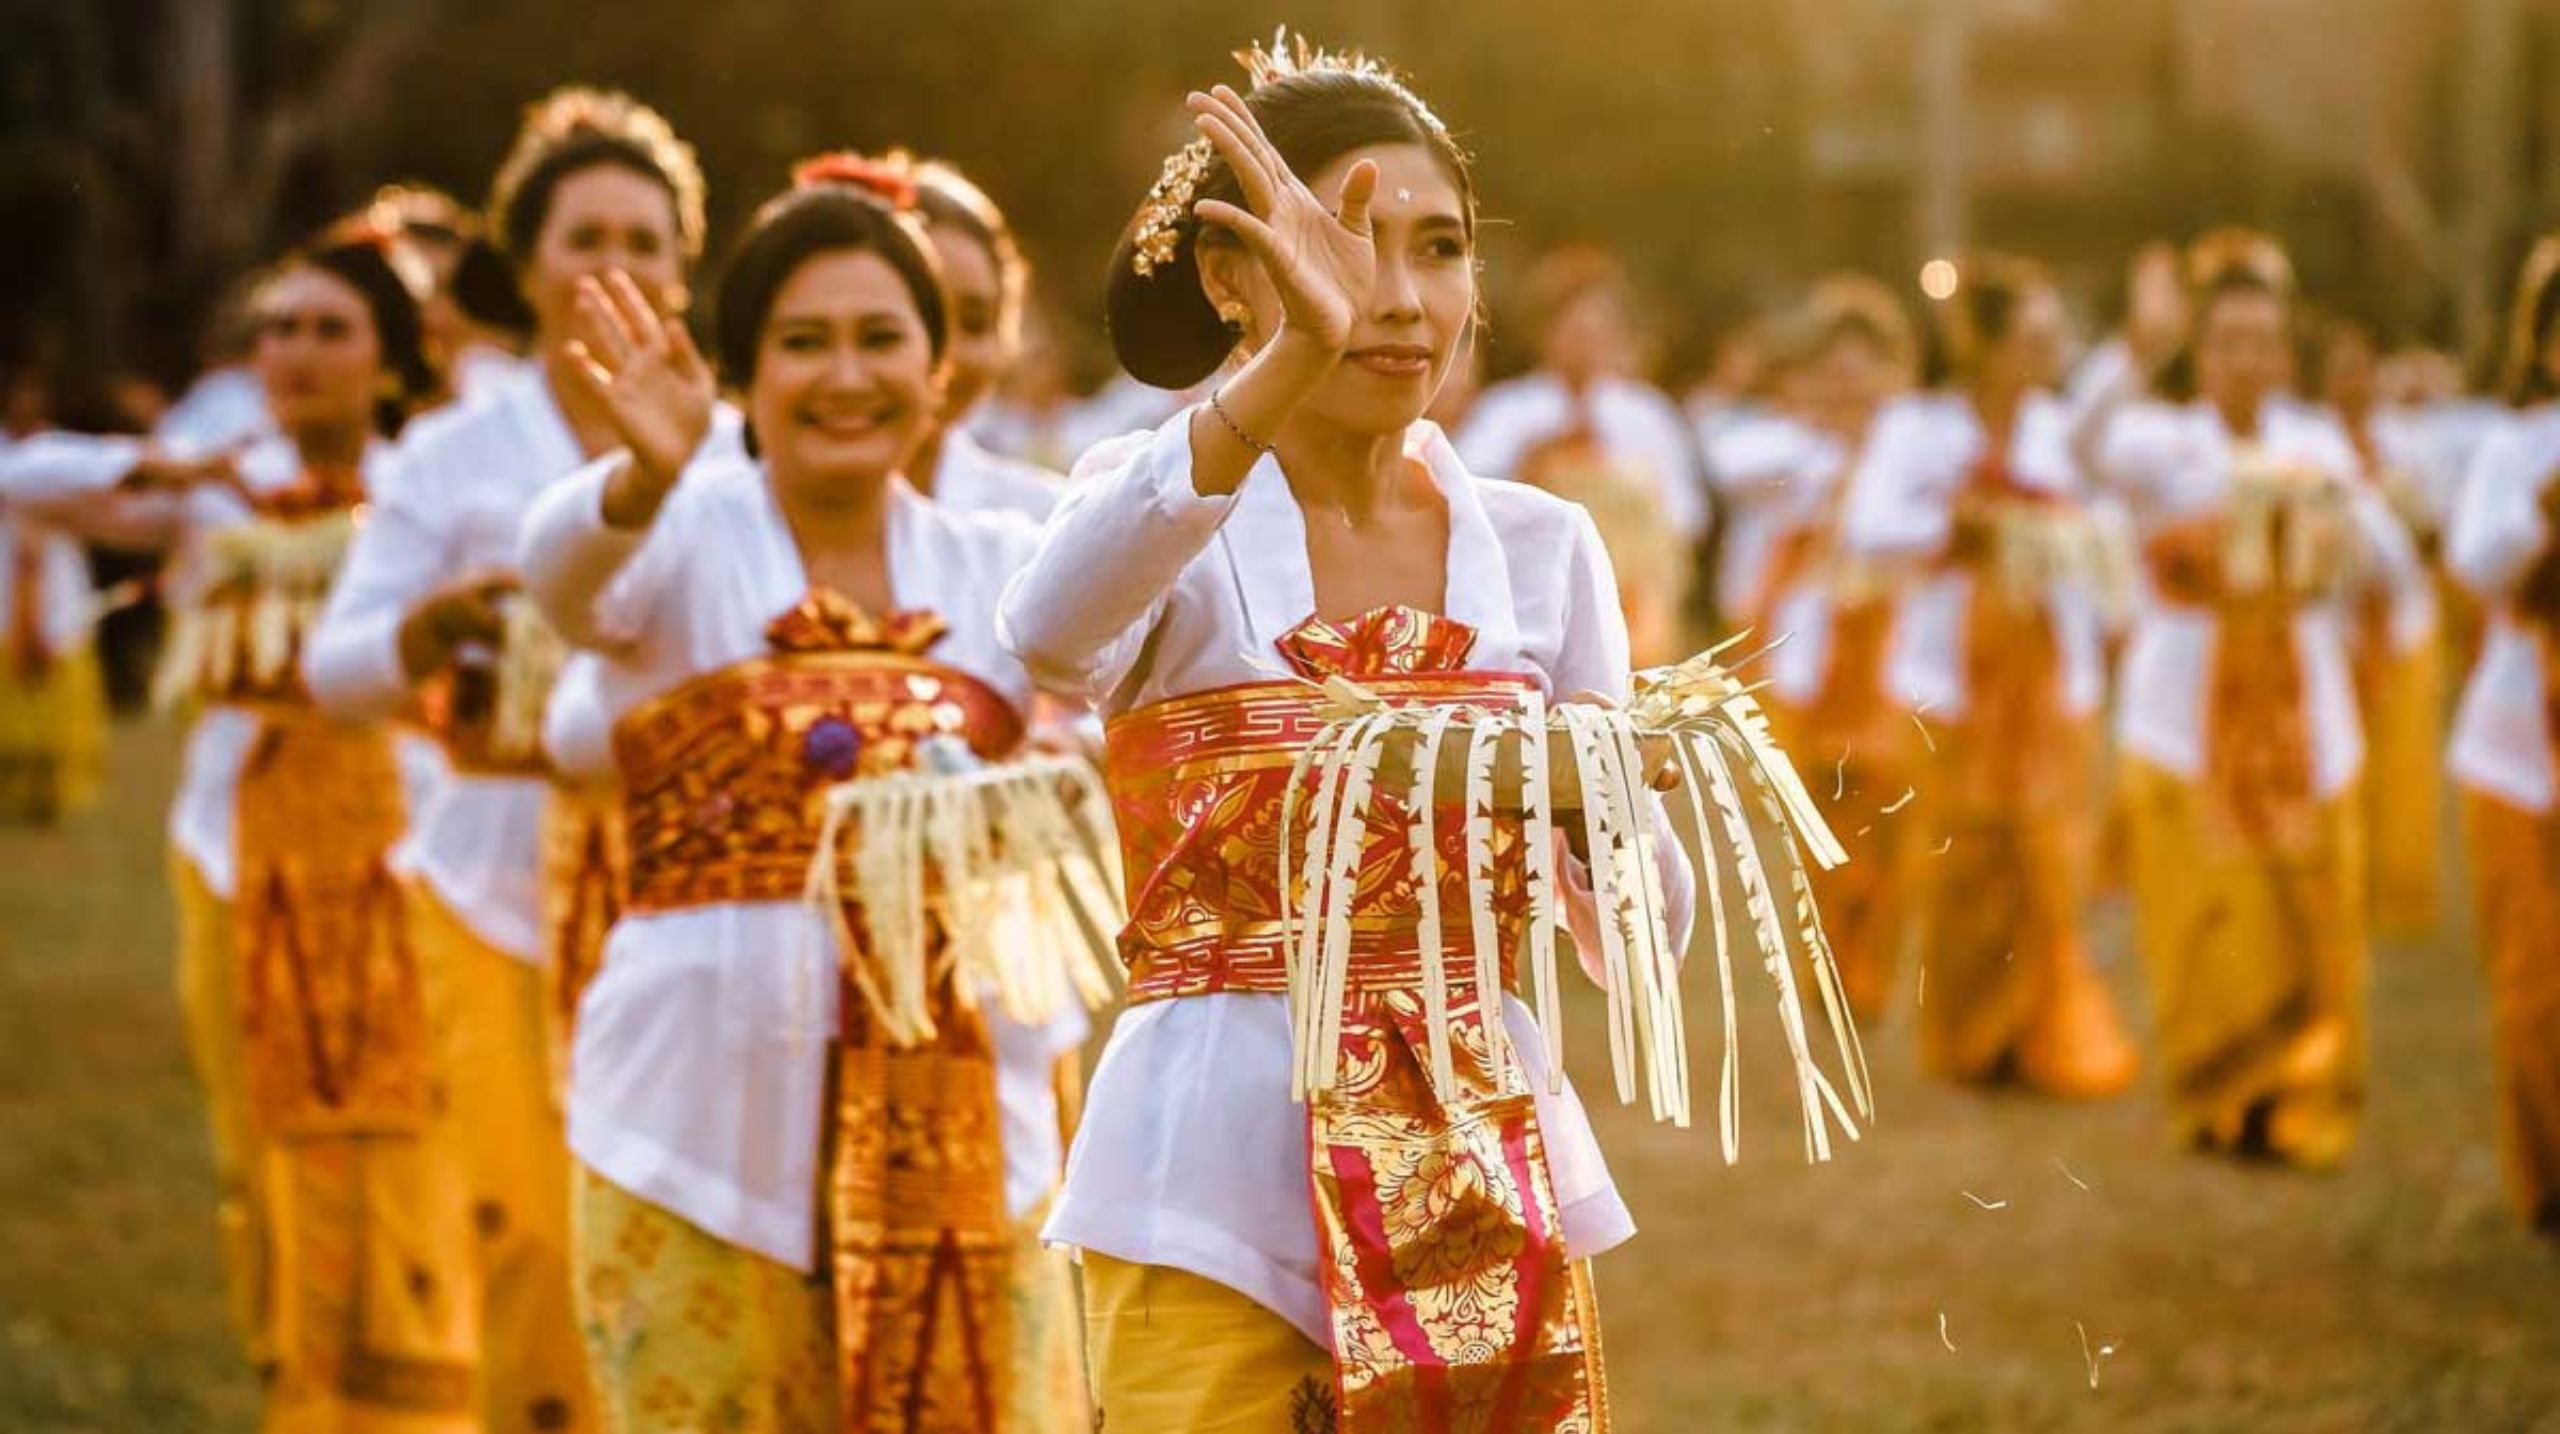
(1320, 257)
(644, 373)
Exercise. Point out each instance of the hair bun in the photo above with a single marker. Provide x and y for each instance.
(889, 180)
(1163, 329)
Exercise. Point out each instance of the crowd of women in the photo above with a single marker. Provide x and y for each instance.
(518, 637)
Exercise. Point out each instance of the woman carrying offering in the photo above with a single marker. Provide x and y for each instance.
(1409, 1248)
(765, 627)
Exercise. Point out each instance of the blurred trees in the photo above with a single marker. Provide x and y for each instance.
(1730, 148)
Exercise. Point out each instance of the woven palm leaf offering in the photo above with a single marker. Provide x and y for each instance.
(1527, 774)
(261, 586)
(1002, 878)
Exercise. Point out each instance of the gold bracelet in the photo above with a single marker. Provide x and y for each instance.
(1247, 439)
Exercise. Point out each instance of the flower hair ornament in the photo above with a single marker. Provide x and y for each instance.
(891, 178)
(1167, 210)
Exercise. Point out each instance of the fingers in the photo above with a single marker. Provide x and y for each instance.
(1241, 116)
(1257, 236)
(609, 343)
(1252, 176)
(1359, 187)
(592, 376)
(638, 314)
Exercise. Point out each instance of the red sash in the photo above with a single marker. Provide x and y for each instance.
(1454, 1302)
(724, 778)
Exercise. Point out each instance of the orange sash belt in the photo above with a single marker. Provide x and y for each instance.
(724, 778)
(1453, 1302)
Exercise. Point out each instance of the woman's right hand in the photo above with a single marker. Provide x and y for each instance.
(645, 374)
(443, 622)
(1323, 261)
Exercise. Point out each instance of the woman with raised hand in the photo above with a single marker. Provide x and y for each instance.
(425, 610)
(345, 1226)
(2241, 741)
(1971, 497)
(1313, 252)
(2504, 545)
(764, 626)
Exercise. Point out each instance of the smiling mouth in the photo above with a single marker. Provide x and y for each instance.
(1394, 360)
(848, 425)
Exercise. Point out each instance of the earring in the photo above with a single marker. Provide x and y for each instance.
(1233, 314)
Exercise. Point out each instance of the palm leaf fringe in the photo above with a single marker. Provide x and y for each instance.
(1739, 785)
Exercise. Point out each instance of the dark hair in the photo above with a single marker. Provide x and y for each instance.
(2220, 264)
(575, 129)
(821, 217)
(1315, 108)
(371, 264)
(484, 288)
(945, 196)
(2529, 325)
(1991, 290)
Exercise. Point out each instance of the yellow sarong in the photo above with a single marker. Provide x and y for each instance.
(2257, 957)
(1174, 1353)
(2402, 697)
(486, 1009)
(53, 737)
(2006, 990)
(2517, 855)
(686, 1331)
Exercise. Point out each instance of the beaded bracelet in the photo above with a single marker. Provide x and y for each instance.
(1247, 439)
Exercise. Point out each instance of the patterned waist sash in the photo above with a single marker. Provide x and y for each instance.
(333, 1019)
(1451, 1294)
(724, 780)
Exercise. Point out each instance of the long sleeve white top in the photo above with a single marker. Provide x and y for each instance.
(80, 471)
(2174, 463)
(449, 506)
(699, 1072)
(66, 607)
(1901, 506)
(1637, 424)
(2502, 731)
(1772, 474)
(1192, 1154)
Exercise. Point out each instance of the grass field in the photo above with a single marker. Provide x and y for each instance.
(1875, 1293)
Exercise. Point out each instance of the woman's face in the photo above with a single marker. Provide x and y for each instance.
(317, 352)
(605, 216)
(985, 337)
(1848, 379)
(2241, 359)
(2029, 355)
(845, 383)
(1408, 334)
(2351, 371)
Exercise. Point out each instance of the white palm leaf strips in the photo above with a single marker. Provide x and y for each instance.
(1755, 826)
(1015, 864)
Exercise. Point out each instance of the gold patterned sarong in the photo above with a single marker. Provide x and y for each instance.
(2517, 854)
(1453, 1302)
(2006, 988)
(725, 777)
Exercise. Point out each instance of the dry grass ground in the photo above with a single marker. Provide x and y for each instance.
(2396, 1295)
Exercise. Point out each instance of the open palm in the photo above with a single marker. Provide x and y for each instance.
(644, 372)
(1322, 259)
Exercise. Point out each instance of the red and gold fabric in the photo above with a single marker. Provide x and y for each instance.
(724, 780)
(586, 875)
(333, 1021)
(1453, 1301)
(2009, 992)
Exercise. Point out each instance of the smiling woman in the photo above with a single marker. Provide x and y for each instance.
(764, 625)
(1313, 251)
